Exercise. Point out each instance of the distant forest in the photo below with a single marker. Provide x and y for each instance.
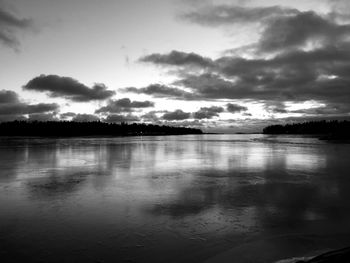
(69, 128)
(333, 129)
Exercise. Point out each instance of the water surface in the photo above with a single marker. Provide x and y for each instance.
(171, 198)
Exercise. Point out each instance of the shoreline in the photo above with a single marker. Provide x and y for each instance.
(332, 256)
(94, 136)
(299, 248)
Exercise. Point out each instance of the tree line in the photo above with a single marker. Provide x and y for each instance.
(330, 128)
(95, 128)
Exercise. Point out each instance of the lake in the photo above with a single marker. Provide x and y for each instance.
(193, 198)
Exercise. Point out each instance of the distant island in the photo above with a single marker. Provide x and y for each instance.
(331, 130)
(96, 128)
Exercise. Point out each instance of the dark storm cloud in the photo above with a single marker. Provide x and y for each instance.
(296, 31)
(208, 112)
(67, 115)
(283, 27)
(11, 108)
(176, 115)
(85, 118)
(9, 25)
(124, 105)
(69, 88)
(79, 117)
(121, 118)
(160, 91)
(8, 96)
(275, 107)
(208, 86)
(8, 19)
(227, 15)
(183, 123)
(278, 110)
(237, 66)
(214, 86)
(328, 110)
(42, 117)
(150, 116)
(177, 58)
(320, 74)
(300, 56)
(23, 108)
(5, 118)
(11, 105)
(234, 108)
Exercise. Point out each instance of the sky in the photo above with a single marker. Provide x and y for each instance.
(222, 66)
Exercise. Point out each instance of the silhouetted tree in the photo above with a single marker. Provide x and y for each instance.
(333, 129)
(97, 128)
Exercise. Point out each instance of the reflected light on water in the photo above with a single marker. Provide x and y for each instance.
(305, 162)
(159, 195)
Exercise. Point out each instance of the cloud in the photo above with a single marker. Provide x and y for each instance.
(227, 15)
(282, 27)
(69, 88)
(275, 107)
(23, 108)
(85, 118)
(67, 115)
(80, 117)
(13, 117)
(208, 86)
(42, 117)
(161, 91)
(121, 118)
(150, 116)
(319, 74)
(176, 115)
(234, 108)
(299, 30)
(11, 107)
(9, 25)
(184, 123)
(124, 105)
(299, 56)
(177, 58)
(340, 9)
(278, 110)
(208, 112)
(326, 111)
(8, 96)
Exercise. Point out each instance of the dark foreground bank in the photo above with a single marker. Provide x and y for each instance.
(283, 249)
(97, 128)
(336, 256)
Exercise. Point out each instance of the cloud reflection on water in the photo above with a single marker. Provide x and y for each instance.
(186, 186)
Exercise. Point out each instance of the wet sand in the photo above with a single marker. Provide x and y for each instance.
(191, 198)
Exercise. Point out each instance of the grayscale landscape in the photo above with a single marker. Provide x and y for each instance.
(175, 131)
